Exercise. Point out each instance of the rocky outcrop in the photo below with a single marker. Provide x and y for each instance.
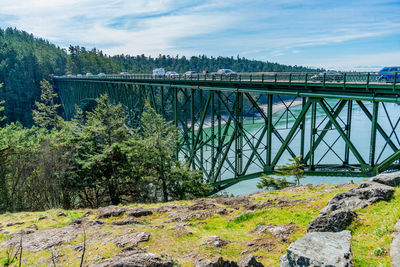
(134, 256)
(319, 249)
(139, 212)
(110, 211)
(395, 246)
(338, 214)
(216, 262)
(358, 198)
(391, 179)
(249, 260)
(281, 232)
(334, 221)
(216, 241)
(326, 244)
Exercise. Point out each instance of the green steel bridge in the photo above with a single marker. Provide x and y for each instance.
(236, 128)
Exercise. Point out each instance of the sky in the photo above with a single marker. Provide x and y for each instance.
(343, 35)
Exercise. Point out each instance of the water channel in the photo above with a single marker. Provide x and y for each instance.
(388, 117)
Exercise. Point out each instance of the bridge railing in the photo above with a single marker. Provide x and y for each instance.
(277, 77)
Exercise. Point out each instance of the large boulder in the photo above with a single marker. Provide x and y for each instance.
(319, 249)
(334, 221)
(358, 198)
(338, 214)
(391, 179)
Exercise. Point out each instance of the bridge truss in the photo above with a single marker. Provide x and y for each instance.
(235, 130)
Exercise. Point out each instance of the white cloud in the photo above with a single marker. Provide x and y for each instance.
(276, 30)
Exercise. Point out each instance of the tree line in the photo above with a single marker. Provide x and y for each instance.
(25, 60)
(92, 160)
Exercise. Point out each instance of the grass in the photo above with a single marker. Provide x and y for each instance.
(372, 232)
(370, 244)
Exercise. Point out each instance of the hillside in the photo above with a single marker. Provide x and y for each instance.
(190, 232)
(25, 60)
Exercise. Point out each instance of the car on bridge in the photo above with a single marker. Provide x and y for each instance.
(124, 73)
(101, 74)
(329, 75)
(190, 74)
(160, 72)
(89, 74)
(227, 73)
(172, 74)
(387, 74)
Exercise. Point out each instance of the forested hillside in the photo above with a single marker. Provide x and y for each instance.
(25, 60)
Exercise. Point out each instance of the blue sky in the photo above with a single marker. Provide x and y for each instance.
(343, 35)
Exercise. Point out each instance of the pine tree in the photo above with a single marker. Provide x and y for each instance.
(293, 168)
(45, 115)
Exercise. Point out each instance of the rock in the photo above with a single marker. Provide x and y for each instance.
(391, 179)
(61, 214)
(217, 242)
(249, 260)
(181, 230)
(319, 249)
(234, 202)
(338, 214)
(14, 223)
(282, 231)
(125, 222)
(139, 212)
(42, 218)
(44, 239)
(133, 257)
(244, 252)
(216, 262)
(94, 223)
(110, 211)
(358, 198)
(395, 246)
(334, 221)
(133, 239)
(77, 221)
(201, 205)
(33, 227)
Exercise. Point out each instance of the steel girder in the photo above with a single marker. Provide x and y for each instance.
(235, 134)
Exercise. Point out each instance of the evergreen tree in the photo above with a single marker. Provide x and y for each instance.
(268, 182)
(101, 161)
(293, 168)
(46, 113)
(167, 173)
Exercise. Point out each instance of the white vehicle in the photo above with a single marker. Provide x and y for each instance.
(191, 74)
(79, 75)
(69, 75)
(172, 74)
(101, 74)
(124, 73)
(158, 72)
(89, 74)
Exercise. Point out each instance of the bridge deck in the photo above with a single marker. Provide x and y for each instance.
(353, 86)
